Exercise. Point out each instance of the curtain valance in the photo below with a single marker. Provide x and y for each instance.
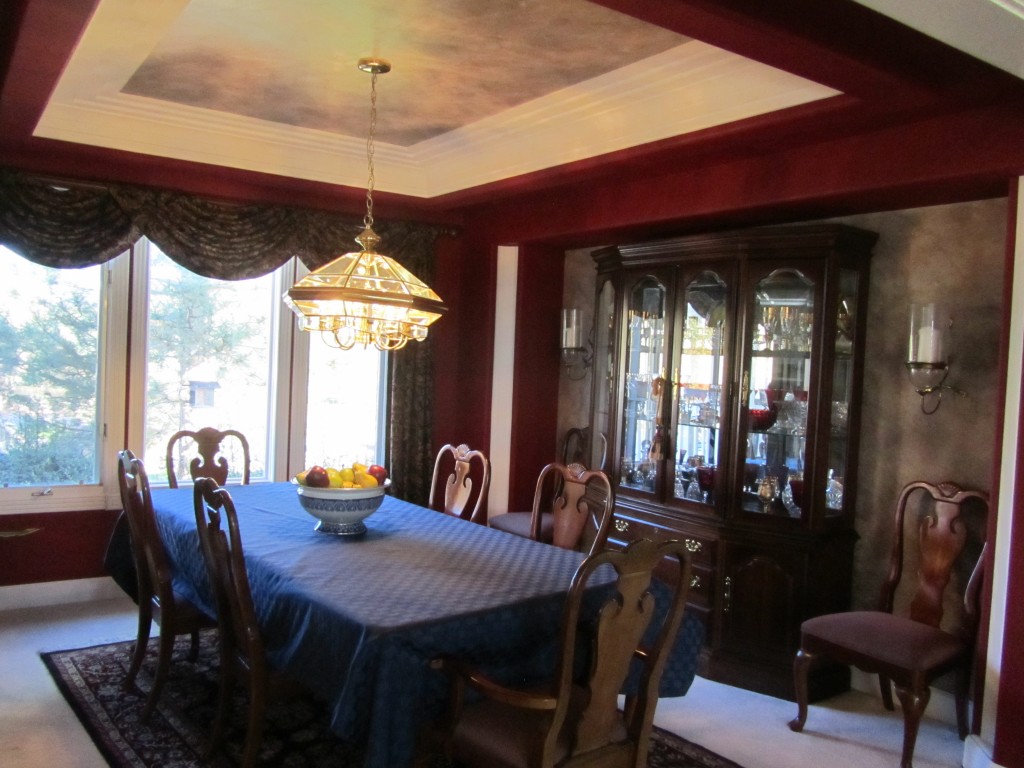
(64, 224)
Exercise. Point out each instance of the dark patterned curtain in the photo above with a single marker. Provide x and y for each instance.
(411, 385)
(63, 224)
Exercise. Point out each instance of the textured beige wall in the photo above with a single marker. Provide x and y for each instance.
(578, 291)
(952, 254)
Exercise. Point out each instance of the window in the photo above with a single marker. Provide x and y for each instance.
(209, 356)
(203, 353)
(346, 392)
(49, 364)
(54, 388)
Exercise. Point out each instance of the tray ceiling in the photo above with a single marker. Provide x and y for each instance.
(479, 92)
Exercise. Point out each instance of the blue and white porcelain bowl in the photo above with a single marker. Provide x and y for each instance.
(341, 511)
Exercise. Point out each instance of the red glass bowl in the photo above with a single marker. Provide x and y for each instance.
(762, 419)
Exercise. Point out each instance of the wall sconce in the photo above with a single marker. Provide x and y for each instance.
(576, 357)
(927, 361)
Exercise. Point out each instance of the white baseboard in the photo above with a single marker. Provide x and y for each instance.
(941, 705)
(58, 593)
(978, 754)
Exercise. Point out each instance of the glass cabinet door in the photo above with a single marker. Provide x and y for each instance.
(699, 377)
(643, 436)
(834, 475)
(604, 352)
(775, 388)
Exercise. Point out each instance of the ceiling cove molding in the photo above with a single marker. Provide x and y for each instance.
(146, 126)
(689, 88)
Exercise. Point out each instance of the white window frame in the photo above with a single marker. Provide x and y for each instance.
(122, 387)
(282, 353)
(113, 351)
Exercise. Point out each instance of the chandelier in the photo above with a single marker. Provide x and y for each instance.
(365, 297)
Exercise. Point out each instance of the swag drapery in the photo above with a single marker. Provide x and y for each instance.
(66, 225)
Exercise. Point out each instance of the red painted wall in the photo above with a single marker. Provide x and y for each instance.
(537, 363)
(464, 342)
(662, 194)
(68, 545)
(465, 353)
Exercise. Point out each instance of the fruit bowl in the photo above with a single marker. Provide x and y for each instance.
(341, 511)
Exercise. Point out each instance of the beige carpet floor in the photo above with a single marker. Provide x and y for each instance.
(39, 730)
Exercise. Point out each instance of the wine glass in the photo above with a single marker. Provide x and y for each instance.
(768, 492)
(693, 493)
(706, 480)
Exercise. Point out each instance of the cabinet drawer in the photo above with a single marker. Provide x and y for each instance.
(702, 579)
(628, 528)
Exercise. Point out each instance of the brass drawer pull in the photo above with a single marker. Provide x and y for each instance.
(16, 534)
(621, 525)
(695, 582)
(693, 546)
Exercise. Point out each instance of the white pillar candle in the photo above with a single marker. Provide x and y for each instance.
(926, 335)
(929, 345)
(572, 331)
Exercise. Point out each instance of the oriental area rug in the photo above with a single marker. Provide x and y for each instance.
(296, 734)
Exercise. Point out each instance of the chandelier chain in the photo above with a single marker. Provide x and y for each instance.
(368, 218)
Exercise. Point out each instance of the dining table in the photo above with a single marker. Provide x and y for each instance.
(357, 621)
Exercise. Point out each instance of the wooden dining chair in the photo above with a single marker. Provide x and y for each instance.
(580, 514)
(461, 479)
(156, 597)
(910, 651)
(242, 656)
(205, 446)
(573, 718)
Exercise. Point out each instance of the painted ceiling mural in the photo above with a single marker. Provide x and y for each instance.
(455, 61)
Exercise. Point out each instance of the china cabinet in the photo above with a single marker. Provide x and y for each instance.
(725, 407)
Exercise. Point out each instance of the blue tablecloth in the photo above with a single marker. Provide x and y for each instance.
(357, 621)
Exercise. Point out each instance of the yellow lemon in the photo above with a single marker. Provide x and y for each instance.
(348, 484)
(334, 477)
(364, 480)
(357, 467)
(348, 474)
(301, 477)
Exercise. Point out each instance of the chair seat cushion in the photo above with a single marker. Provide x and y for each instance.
(519, 524)
(874, 640)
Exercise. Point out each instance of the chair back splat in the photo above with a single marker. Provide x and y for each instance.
(574, 719)
(209, 459)
(461, 479)
(909, 651)
(942, 537)
(582, 508)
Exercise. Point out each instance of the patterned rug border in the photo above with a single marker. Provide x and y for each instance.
(119, 751)
(76, 703)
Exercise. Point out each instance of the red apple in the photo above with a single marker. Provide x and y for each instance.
(317, 477)
(378, 472)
